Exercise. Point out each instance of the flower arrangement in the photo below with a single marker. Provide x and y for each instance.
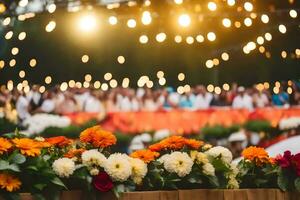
(289, 123)
(86, 163)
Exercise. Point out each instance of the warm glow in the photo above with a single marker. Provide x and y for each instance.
(121, 59)
(178, 1)
(50, 26)
(293, 13)
(33, 62)
(260, 40)
(85, 58)
(178, 39)
(209, 64)
(181, 76)
(265, 18)
(248, 21)
(282, 28)
(12, 62)
(22, 74)
(107, 76)
(231, 2)
(248, 6)
(184, 20)
(22, 36)
(190, 40)
(9, 35)
(225, 56)
(212, 6)
(211, 36)
(51, 8)
(131, 23)
(160, 74)
(161, 37)
(226, 22)
(143, 39)
(200, 38)
(112, 20)
(48, 79)
(146, 18)
(14, 51)
(268, 36)
(87, 23)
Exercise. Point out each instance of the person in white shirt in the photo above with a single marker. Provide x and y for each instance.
(48, 105)
(93, 104)
(80, 97)
(202, 99)
(22, 107)
(260, 99)
(242, 100)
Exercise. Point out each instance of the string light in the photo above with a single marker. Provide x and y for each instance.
(178, 2)
(211, 36)
(125, 83)
(181, 77)
(131, 23)
(6, 21)
(113, 83)
(231, 2)
(265, 18)
(225, 56)
(146, 18)
(283, 54)
(22, 36)
(143, 39)
(268, 36)
(209, 64)
(12, 62)
(184, 20)
(2, 64)
(226, 22)
(190, 40)
(88, 78)
(178, 39)
(226, 87)
(210, 88)
(260, 40)
(212, 6)
(161, 37)
(50, 26)
(107, 76)
(248, 6)
(51, 8)
(87, 23)
(14, 51)
(162, 81)
(9, 35)
(97, 84)
(23, 3)
(293, 13)
(282, 28)
(160, 74)
(248, 21)
(22, 74)
(200, 38)
(112, 20)
(121, 59)
(48, 80)
(85, 58)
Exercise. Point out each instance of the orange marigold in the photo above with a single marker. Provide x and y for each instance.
(28, 146)
(60, 141)
(257, 155)
(5, 145)
(9, 182)
(74, 153)
(98, 137)
(145, 155)
(194, 144)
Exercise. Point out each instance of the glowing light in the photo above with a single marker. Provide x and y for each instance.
(210, 88)
(48, 79)
(297, 51)
(226, 22)
(10, 85)
(85, 58)
(217, 90)
(143, 39)
(160, 74)
(293, 13)
(248, 6)
(146, 18)
(131, 23)
(6, 21)
(9, 35)
(181, 76)
(2, 8)
(147, 3)
(23, 3)
(87, 23)
(282, 28)
(12, 62)
(268, 36)
(246, 50)
(107, 76)
(212, 6)
(112, 20)
(42, 89)
(149, 84)
(251, 46)
(190, 40)
(86, 84)
(50, 26)
(64, 86)
(276, 90)
(104, 87)
(162, 81)
(32, 62)
(97, 84)
(2, 64)
(200, 38)
(211, 36)
(178, 1)
(265, 18)
(209, 63)
(180, 90)
(88, 78)
(72, 83)
(178, 39)
(22, 74)
(260, 40)
(226, 87)
(237, 24)
(231, 2)
(216, 61)
(14, 51)
(161, 37)
(283, 54)
(113, 83)
(121, 59)
(248, 21)
(184, 20)
(289, 90)
(22, 36)
(125, 83)
(225, 56)
(51, 8)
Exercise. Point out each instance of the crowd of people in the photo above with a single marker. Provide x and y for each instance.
(120, 99)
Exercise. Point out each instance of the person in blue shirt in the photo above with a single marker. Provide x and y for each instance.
(280, 99)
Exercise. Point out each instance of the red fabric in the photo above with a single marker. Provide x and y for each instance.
(183, 121)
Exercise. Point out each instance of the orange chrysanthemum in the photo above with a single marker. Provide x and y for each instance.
(74, 153)
(5, 145)
(60, 141)
(98, 137)
(175, 143)
(9, 182)
(145, 155)
(257, 155)
(28, 146)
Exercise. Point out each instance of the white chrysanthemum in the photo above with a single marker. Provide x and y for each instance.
(208, 169)
(118, 167)
(93, 157)
(289, 123)
(233, 183)
(63, 167)
(200, 158)
(179, 163)
(163, 158)
(225, 154)
(139, 170)
(94, 172)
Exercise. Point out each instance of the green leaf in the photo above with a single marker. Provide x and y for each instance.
(282, 181)
(297, 184)
(3, 165)
(14, 167)
(18, 159)
(40, 186)
(58, 182)
(34, 168)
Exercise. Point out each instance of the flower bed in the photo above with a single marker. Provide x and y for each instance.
(175, 163)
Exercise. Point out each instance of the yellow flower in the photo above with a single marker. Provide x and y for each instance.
(28, 147)
(9, 182)
(5, 145)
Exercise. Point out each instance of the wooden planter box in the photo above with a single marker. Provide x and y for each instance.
(197, 194)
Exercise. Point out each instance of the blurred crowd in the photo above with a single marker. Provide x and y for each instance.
(120, 99)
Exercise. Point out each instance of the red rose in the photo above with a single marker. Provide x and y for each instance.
(285, 160)
(296, 163)
(102, 182)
